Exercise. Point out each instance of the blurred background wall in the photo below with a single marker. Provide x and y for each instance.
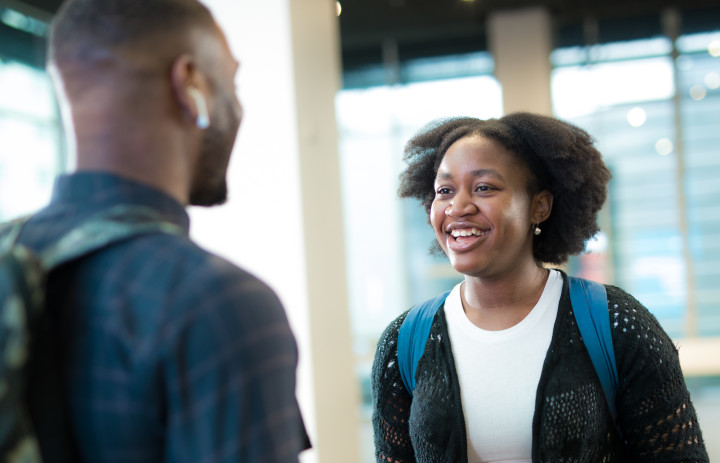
(332, 92)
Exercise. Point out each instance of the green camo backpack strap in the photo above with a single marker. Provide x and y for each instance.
(107, 227)
(22, 291)
(21, 272)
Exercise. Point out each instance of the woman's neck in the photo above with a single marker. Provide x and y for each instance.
(497, 304)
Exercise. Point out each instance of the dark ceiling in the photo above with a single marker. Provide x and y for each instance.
(436, 27)
(418, 28)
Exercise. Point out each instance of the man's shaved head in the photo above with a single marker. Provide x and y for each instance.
(88, 32)
(147, 89)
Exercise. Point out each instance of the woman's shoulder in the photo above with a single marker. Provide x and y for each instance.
(634, 326)
(389, 336)
(616, 293)
(434, 306)
(625, 309)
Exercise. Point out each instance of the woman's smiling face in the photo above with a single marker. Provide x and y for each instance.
(482, 213)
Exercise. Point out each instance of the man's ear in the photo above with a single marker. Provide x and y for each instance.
(541, 206)
(187, 86)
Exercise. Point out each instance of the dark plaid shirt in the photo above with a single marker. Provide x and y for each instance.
(165, 352)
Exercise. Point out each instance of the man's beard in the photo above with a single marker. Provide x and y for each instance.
(209, 186)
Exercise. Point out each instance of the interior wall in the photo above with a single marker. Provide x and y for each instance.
(283, 219)
(521, 42)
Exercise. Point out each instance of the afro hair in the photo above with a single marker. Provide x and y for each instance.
(562, 158)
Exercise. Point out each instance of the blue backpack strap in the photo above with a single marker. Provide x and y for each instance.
(413, 336)
(589, 303)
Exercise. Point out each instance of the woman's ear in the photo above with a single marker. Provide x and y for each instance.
(541, 206)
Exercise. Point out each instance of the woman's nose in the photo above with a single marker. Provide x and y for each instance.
(461, 205)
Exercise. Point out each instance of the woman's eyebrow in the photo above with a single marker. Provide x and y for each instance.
(445, 175)
(487, 173)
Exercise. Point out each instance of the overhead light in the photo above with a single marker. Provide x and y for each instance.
(636, 117)
(712, 80)
(664, 146)
(697, 92)
(338, 7)
(714, 48)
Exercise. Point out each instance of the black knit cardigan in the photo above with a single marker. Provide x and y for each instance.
(572, 423)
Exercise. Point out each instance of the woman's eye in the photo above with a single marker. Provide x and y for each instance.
(483, 188)
(443, 191)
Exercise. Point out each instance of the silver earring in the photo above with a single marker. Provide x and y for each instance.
(203, 118)
(537, 230)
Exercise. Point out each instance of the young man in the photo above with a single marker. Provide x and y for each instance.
(164, 351)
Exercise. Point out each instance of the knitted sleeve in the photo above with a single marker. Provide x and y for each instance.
(391, 401)
(655, 414)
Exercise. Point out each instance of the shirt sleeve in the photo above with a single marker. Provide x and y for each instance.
(230, 374)
(656, 417)
(391, 402)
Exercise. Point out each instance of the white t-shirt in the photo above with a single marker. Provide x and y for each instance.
(499, 373)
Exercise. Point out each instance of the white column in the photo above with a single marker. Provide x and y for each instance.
(283, 221)
(521, 42)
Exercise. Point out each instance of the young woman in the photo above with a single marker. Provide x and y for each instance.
(505, 376)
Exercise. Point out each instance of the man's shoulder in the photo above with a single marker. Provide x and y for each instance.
(170, 267)
(199, 263)
(190, 265)
(193, 291)
(216, 283)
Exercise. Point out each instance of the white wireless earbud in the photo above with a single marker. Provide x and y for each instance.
(203, 118)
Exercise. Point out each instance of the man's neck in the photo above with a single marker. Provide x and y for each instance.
(147, 156)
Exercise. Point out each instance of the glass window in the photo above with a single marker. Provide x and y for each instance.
(30, 156)
(30, 152)
(699, 89)
(656, 123)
